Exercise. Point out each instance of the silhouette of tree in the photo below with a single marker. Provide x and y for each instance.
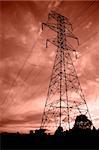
(82, 122)
(40, 132)
(59, 131)
(31, 132)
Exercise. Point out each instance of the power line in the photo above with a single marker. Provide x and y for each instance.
(80, 45)
(83, 11)
(86, 17)
(19, 72)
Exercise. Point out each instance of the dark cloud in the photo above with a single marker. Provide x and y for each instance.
(25, 118)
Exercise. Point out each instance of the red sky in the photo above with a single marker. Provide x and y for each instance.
(25, 63)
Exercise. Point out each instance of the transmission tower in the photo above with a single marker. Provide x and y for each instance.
(65, 99)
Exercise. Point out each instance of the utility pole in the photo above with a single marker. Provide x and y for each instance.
(65, 99)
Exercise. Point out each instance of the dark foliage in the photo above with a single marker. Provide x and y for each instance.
(74, 138)
(82, 122)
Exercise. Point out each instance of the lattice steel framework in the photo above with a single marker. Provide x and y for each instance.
(65, 99)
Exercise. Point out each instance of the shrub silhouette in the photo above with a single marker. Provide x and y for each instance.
(81, 136)
(82, 122)
(59, 131)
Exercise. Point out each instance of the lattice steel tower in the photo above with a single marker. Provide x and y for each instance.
(65, 99)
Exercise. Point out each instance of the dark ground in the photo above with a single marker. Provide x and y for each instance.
(73, 139)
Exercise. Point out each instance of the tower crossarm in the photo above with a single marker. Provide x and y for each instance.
(51, 26)
(67, 32)
(53, 41)
(71, 35)
(56, 15)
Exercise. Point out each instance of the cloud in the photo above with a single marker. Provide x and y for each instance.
(21, 123)
(23, 48)
(22, 119)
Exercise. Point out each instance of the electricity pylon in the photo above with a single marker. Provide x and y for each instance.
(65, 99)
